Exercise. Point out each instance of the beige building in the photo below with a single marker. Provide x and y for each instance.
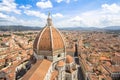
(52, 63)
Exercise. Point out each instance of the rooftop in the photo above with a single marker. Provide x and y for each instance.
(38, 71)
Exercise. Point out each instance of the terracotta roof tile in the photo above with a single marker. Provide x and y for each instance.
(38, 71)
(60, 63)
(69, 59)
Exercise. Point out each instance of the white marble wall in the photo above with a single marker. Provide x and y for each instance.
(56, 58)
(48, 75)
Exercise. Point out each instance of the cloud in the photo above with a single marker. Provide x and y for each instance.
(32, 23)
(25, 7)
(76, 19)
(9, 6)
(44, 4)
(107, 15)
(58, 15)
(7, 20)
(35, 13)
(11, 20)
(70, 22)
(7, 17)
(3, 15)
(113, 8)
(59, 1)
(67, 1)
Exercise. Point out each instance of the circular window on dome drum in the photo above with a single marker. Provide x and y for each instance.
(45, 57)
(58, 55)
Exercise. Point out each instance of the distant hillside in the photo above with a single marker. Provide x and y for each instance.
(18, 28)
(92, 28)
(80, 28)
(26, 28)
(112, 28)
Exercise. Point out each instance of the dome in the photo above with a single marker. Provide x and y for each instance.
(69, 59)
(60, 63)
(49, 39)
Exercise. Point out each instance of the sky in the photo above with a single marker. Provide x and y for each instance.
(64, 13)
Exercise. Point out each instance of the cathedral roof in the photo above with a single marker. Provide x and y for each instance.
(49, 39)
(69, 59)
(38, 71)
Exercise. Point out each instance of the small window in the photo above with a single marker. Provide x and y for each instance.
(58, 55)
(45, 57)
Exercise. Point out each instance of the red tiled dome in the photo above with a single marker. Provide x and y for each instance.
(69, 59)
(60, 63)
(49, 39)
